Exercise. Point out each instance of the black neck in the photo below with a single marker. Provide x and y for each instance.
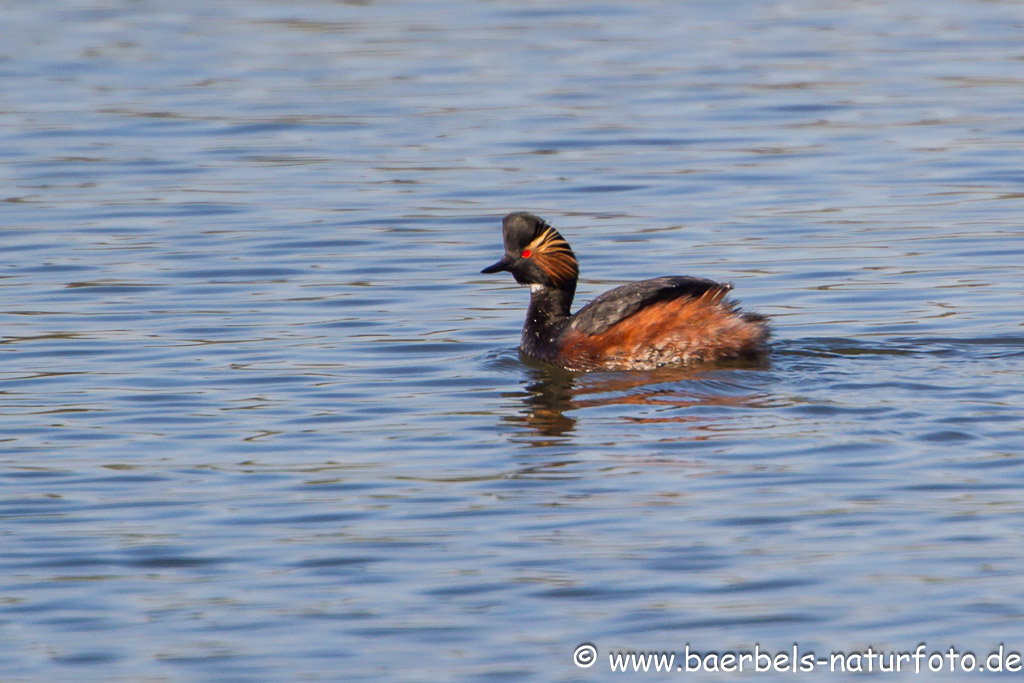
(546, 320)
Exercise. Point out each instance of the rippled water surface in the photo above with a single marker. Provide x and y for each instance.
(262, 418)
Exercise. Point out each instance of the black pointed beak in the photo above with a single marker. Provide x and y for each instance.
(503, 264)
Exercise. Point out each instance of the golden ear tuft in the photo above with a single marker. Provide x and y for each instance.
(554, 256)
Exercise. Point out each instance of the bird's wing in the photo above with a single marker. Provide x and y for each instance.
(620, 303)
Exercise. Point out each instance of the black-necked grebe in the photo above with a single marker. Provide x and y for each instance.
(639, 326)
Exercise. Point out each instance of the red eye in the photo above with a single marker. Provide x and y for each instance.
(527, 253)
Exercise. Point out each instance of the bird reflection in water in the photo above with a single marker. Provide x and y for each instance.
(552, 394)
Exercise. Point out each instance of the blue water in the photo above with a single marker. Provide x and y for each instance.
(261, 418)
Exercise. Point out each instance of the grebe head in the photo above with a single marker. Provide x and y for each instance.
(536, 254)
